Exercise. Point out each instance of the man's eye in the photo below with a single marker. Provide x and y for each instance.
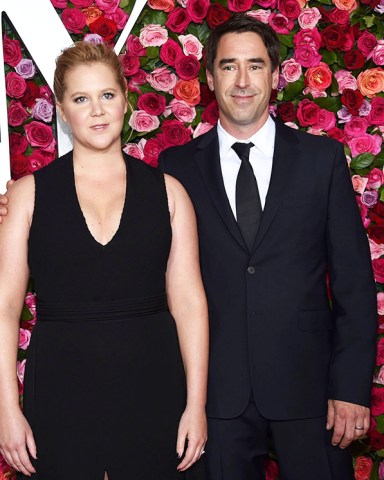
(80, 99)
(228, 68)
(255, 67)
(108, 95)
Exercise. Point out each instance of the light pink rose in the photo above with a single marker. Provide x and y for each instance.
(365, 109)
(191, 45)
(108, 6)
(344, 115)
(26, 68)
(162, 79)
(379, 378)
(119, 17)
(261, 15)
(375, 178)
(42, 110)
(315, 131)
(326, 120)
(345, 80)
(20, 370)
(356, 127)
(202, 128)
(377, 250)
(315, 93)
(135, 149)
(93, 38)
(291, 70)
(153, 35)
(24, 338)
(377, 53)
(309, 18)
(181, 110)
(359, 183)
(292, 125)
(141, 121)
(365, 144)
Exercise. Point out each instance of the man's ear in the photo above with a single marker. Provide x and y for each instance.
(275, 78)
(210, 80)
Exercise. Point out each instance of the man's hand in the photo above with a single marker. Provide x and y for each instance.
(4, 201)
(348, 420)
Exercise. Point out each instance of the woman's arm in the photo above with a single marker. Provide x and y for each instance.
(188, 306)
(15, 433)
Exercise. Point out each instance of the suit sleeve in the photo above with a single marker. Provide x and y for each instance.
(353, 292)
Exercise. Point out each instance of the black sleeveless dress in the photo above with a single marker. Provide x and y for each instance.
(104, 383)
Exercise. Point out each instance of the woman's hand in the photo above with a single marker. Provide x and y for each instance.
(15, 437)
(193, 432)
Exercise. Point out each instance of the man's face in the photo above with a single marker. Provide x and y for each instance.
(242, 80)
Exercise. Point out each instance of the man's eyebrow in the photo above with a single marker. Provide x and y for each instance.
(224, 61)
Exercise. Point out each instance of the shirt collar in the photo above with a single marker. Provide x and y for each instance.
(264, 138)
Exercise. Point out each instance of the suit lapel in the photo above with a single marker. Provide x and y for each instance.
(285, 160)
(208, 161)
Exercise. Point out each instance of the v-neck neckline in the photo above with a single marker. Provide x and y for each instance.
(84, 220)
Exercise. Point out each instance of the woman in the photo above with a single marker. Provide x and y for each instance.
(110, 243)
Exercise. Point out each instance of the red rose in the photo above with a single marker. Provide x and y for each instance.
(39, 158)
(216, 15)
(178, 20)
(352, 99)
(340, 17)
(363, 468)
(378, 270)
(377, 401)
(308, 113)
(104, 27)
(152, 103)
(152, 150)
(17, 143)
(211, 113)
(333, 37)
(175, 133)
(271, 470)
(239, 5)
(286, 111)
(74, 20)
(17, 114)
(19, 166)
(380, 352)
(40, 135)
(366, 43)
(376, 440)
(15, 85)
(289, 8)
(134, 47)
(206, 95)
(353, 60)
(376, 115)
(197, 10)
(337, 134)
(187, 66)
(12, 51)
(31, 93)
(376, 233)
(377, 215)
(170, 51)
(131, 64)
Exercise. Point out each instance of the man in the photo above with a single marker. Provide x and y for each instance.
(284, 364)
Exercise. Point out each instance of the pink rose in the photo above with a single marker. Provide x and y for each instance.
(15, 85)
(135, 149)
(267, 3)
(314, 93)
(261, 15)
(191, 45)
(239, 5)
(289, 8)
(187, 67)
(153, 148)
(82, 3)
(73, 19)
(119, 17)
(40, 135)
(162, 79)
(25, 68)
(134, 47)
(377, 53)
(153, 35)
(197, 10)
(280, 24)
(141, 121)
(377, 250)
(24, 338)
(107, 6)
(326, 120)
(202, 128)
(291, 70)
(152, 103)
(12, 51)
(309, 18)
(366, 43)
(365, 144)
(319, 77)
(359, 183)
(308, 37)
(307, 56)
(356, 127)
(345, 80)
(379, 379)
(181, 110)
(20, 370)
(376, 115)
(17, 114)
(375, 178)
(140, 78)
(130, 63)
(93, 38)
(170, 51)
(42, 110)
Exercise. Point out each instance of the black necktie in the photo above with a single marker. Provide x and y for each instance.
(248, 205)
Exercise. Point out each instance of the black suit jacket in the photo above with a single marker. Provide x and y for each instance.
(272, 329)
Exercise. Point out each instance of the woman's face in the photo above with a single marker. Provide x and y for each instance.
(94, 106)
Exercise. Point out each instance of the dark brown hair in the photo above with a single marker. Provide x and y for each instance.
(85, 53)
(241, 23)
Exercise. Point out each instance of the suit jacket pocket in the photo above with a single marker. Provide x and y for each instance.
(315, 320)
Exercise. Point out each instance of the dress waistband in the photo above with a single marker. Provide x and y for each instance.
(100, 311)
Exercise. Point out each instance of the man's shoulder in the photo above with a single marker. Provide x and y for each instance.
(305, 139)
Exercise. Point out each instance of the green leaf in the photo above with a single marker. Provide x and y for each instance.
(381, 193)
(374, 475)
(292, 90)
(325, 2)
(200, 31)
(283, 51)
(286, 40)
(380, 424)
(362, 161)
(153, 52)
(124, 3)
(369, 20)
(156, 16)
(380, 453)
(379, 160)
(333, 104)
(328, 57)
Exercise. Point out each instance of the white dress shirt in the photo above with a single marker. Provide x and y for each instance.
(260, 156)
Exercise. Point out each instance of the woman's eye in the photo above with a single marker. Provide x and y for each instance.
(108, 95)
(80, 99)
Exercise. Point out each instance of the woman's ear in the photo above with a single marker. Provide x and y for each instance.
(61, 111)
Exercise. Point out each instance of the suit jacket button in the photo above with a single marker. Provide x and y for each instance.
(251, 270)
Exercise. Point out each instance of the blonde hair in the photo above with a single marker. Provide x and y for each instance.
(85, 53)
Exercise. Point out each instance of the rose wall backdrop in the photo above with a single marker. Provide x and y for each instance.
(331, 83)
